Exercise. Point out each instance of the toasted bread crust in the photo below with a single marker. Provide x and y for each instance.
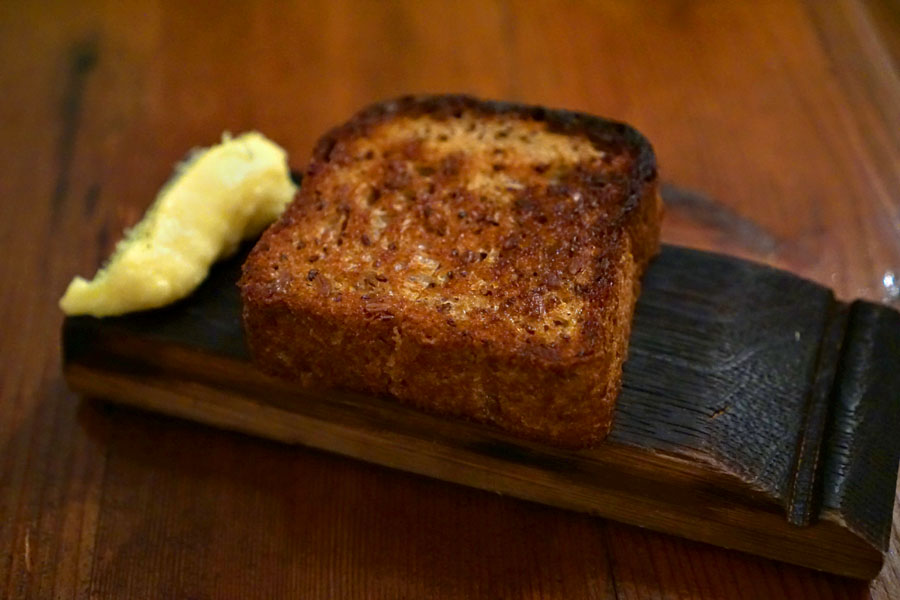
(476, 259)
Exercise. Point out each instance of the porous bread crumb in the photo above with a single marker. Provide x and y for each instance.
(483, 166)
(473, 259)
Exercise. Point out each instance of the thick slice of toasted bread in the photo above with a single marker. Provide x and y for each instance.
(471, 258)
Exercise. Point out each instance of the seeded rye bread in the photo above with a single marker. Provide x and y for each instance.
(470, 258)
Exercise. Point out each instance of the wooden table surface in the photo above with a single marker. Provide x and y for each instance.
(777, 126)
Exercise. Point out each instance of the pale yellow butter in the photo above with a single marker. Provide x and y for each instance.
(220, 196)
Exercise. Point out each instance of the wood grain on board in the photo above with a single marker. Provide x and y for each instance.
(776, 121)
(756, 412)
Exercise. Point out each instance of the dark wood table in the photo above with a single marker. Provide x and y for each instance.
(777, 126)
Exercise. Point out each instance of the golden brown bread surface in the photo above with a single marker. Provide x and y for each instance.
(470, 258)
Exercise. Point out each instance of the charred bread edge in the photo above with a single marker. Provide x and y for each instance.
(642, 183)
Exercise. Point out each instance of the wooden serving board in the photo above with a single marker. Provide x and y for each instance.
(757, 413)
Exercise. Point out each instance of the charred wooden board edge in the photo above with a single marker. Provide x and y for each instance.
(846, 418)
(661, 492)
(861, 448)
(724, 362)
(805, 496)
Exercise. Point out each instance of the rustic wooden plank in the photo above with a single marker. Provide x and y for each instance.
(708, 439)
(748, 103)
(51, 470)
(884, 16)
(302, 520)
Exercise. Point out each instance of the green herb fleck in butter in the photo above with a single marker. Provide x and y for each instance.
(216, 198)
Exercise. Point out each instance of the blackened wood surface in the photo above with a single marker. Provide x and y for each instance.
(861, 448)
(721, 365)
(727, 398)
